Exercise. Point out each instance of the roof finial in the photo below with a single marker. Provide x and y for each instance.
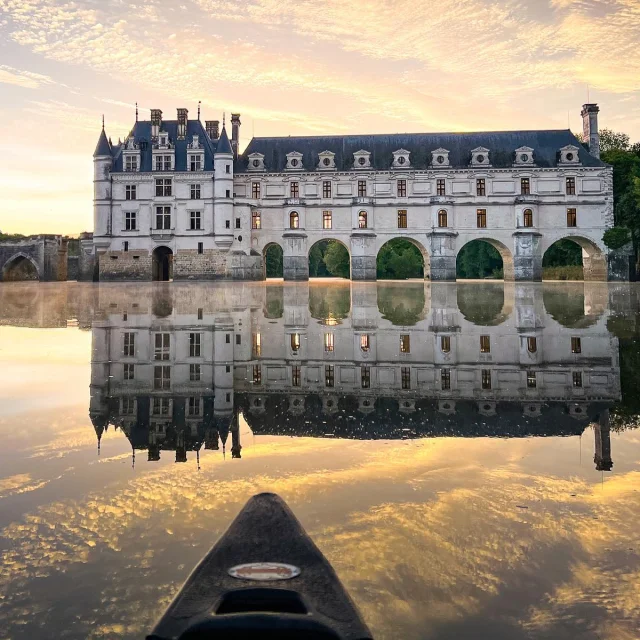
(136, 112)
(199, 102)
(103, 121)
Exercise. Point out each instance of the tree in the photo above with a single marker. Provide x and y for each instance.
(399, 259)
(611, 140)
(336, 259)
(273, 261)
(478, 259)
(562, 253)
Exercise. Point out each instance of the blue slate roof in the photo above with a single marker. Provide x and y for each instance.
(103, 148)
(224, 146)
(141, 134)
(501, 145)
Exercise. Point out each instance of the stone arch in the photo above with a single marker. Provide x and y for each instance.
(327, 240)
(426, 259)
(162, 264)
(20, 266)
(273, 260)
(504, 251)
(594, 259)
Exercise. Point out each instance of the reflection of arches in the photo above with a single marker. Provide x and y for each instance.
(329, 258)
(483, 304)
(162, 302)
(20, 267)
(505, 254)
(162, 264)
(272, 260)
(567, 305)
(330, 304)
(391, 265)
(594, 261)
(274, 302)
(402, 304)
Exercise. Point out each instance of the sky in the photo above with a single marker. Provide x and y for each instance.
(292, 67)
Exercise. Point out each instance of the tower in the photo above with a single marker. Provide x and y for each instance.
(589, 115)
(102, 159)
(223, 192)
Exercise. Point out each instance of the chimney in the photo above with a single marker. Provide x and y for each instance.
(590, 128)
(156, 122)
(235, 132)
(182, 123)
(212, 127)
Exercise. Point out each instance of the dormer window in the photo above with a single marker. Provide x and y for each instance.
(196, 161)
(163, 139)
(569, 155)
(294, 161)
(256, 162)
(440, 158)
(480, 157)
(131, 162)
(401, 159)
(524, 157)
(326, 160)
(362, 159)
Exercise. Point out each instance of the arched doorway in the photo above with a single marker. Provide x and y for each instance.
(19, 268)
(329, 259)
(574, 258)
(272, 261)
(162, 264)
(401, 259)
(484, 258)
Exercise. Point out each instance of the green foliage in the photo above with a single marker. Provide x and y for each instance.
(329, 304)
(4, 237)
(273, 261)
(563, 253)
(613, 140)
(616, 237)
(565, 304)
(478, 259)
(274, 302)
(317, 267)
(403, 305)
(336, 260)
(626, 413)
(482, 304)
(570, 272)
(399, 259)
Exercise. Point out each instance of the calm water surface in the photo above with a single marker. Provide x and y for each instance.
(465, 456)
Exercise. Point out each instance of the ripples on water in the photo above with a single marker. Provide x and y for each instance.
(465, 455)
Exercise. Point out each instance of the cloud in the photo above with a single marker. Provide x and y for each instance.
(21, 78)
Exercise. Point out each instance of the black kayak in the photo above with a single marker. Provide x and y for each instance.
(265, 578)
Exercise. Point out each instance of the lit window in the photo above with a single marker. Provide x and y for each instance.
(532, 345)
(576, 345)
(525, 186)
(365, 342)
(486, 378)
(481, 187)
(326, 189)
(130, 192)
(405, 343)
(163, 218)
(402, 188)
(442, 218)
(195, 345)
(571, 186)
(577, 379)
(362, 220)
(328, 342)
(365, 377)
(528, 218)
(481, 215)
(402, 219)
(256, 220)
(295, 342)
(295, 375)
(195, 192)
(485, 344)
(405, 373)
(130, 221)
(256, 345)
(129, 347)
(129, 372)
(445, 379)
(440, 187)
(531, 379)
(572, 218)
(255, 190)
(162, 377)
(162, 346)
(295, 190)
(362, 188)
(194, 373)
(326, 219)
(294, 220)
(445, 344)
(194, 220)
(257, 374)
(328, 375)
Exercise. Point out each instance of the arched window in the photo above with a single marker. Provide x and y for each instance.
(295, 342)
(294, 220)
(362, 220)
(528, 218)
(442, 218)
(532, 345)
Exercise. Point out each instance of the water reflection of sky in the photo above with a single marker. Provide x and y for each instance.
(435, 537)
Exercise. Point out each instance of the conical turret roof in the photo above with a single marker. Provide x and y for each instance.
(224, 146)
(103, 148)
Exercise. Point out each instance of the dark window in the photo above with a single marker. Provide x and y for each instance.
(162, 377)
(193, 406)
(130, 221)
(525, 186)
(577, 379)
(481, 215)
(402, 219)
(402, 188)
(200, 311)
(195, 192)
(228, 338)
(441, 187)
(528, 218)
(194, 373)
(571, 186)
(532, 345)
(365, 377)
(362, 188)
(442, 218)
(486, 378)
(227, 224)
(125, 245)
(485, 344)
(200, 247)
(128, 405)
(481, 187)
(295, 375)
(238, 223)
(328, 375)
(238, 339)
(227, 168)
(162, 346)
(257, 374)
(194, 220)
(195, 162)
(163, 218)
(129, 344)
(256, 220)
(295, 190)
(445, 379)
(163, 187)
(572, 218)
(255, 189)
(227, 193)
(326, 189)
(445, 344)
(576, 345)
(130, 192)
(531, 379)
(161, 407)
(405, 373)
(195, 345)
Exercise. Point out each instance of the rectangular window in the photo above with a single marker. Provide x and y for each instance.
(238, 339)
(256, 345)
(481, 187)
(195, 220)
(227, 193)
(577, 379)
(402, 188)
(256, 220)
(532, 345)
(445, 379)
(531, 380)
(227, 338)
(195, 192)
(227, 224)
(130, 221)
(162, 346)
(485, 344)
(572, 218)
(129, 344)
(195, 345)
(362, 220)
(227, 168)
(402, 219)
(163, 218)
(405, 343)
(442, 219)
(294, 190)
(326, 219)
(163, 163)
(528, 218)
(128, 406)
(200, 309)
(486, 378)
(576, 345)
(365, 377)
(481, 215)
(328, 375)
(525, 186)
(365, 342)
(238, 223)
(193, 406)
(441, 187)
(195, 162)
(257, 374)
(362, 188)
(200, 248)
(295, 342)
(163, 187)
(295, 375)
(161, 406)
(445, 344)
(405, 374)
(255, 190)
(194, 373)
(131, 163)
(326, 189)
(328, 342)
(130, 192)
(162, 378)
(125, 245)
(571, 186)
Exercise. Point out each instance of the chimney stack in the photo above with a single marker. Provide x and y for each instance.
(590, 128)
(183, 115)
(156, 122)
(212, 127)
(235, 132)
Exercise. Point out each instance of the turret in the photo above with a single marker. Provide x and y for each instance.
(102, 160)
(590, 128)
(223, 192)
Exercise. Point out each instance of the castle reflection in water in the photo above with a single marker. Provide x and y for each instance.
(174, 367)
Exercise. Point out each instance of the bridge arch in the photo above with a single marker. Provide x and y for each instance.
(19, 267)
(506, 255)
(340, 261)
(594, 259)
(162, 264)
(384, 261)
